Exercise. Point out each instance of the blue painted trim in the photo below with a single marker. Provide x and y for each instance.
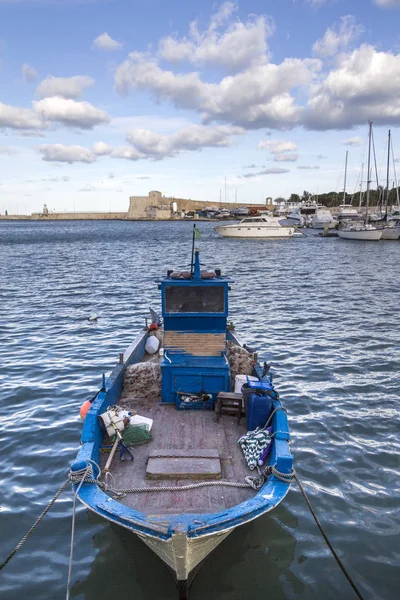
(164, 526)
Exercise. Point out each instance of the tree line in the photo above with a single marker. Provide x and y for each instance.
(377, 197)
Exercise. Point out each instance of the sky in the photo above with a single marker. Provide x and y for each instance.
(104, 99)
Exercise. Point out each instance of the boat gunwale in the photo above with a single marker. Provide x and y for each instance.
(164, 526)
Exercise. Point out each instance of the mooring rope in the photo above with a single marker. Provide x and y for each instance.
(328, 543)
(85, 474)
(36, 523)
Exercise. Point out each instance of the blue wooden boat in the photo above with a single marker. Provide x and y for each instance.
(180, 519)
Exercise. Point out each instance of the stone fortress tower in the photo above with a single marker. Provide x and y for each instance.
(157, 206)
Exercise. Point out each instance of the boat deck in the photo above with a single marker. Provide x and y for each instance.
(183, 430)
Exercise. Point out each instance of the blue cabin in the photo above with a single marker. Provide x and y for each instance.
(195, 310)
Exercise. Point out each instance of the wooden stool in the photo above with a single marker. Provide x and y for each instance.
(229, 403)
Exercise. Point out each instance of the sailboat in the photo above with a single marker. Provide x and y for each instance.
(347, 212)
(363, 230)
(391, 230)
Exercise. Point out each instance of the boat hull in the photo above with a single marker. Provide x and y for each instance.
(182, 540)
(257, 233)
(372, 235)
(391, 233)
(183, 554)
(323, 224)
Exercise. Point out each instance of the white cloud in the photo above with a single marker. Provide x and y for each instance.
(387, 3)
(29, 74)
(126, 152)
(364, 86)
(235, 48)
(64, 178)
(272, 171)
(195, 137)
(6, 151)
(70, 113)
(68, 154)
(286, 157)
(353, 141)
(316, 3)
(105, 42)
(145, 144)
(333, 40)
(101, 149)
(14, 117)
(277, 146)
(308, 167)
(64, 87)
(257, 97)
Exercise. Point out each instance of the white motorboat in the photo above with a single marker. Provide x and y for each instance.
(295, 218)
(348, 212)
(323, 218)
(242, 211)
(256, 227)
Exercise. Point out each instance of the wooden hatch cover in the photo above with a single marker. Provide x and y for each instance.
(184, 464)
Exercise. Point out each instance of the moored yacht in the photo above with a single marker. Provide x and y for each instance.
(323, 218)
(391, 231)
(348, 212)
(359, 231)
(362, 230)
(256, 227)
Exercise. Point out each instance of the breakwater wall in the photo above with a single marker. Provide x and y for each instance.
(67, 216)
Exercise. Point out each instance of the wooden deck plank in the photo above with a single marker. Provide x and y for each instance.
(181, 467)
(188, 431)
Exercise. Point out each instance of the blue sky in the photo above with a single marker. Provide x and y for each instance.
(103, 99)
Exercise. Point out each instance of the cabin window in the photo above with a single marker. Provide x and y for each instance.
(194, 299)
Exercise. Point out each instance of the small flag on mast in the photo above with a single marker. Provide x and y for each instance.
(196, 233)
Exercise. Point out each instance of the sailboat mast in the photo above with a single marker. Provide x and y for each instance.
(368, 170)
(361, 182)
(345, 178)
(387, 178)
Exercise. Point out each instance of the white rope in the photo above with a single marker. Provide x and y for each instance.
(84, 475)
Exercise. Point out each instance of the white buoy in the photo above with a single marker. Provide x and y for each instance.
(93, 317)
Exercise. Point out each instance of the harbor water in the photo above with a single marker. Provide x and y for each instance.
(323, 312)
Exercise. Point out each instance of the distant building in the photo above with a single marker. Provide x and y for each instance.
(157, 206)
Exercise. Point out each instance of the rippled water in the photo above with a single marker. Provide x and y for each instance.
(325, 312)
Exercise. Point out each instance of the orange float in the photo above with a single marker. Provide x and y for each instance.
(84, 408)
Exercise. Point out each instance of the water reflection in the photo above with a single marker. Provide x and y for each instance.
(266, 546)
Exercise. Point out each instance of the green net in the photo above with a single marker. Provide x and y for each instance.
(135, 434)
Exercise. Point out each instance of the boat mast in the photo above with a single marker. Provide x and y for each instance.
(345, 178)
(395, 176)
(387, 178)
(368, 170)
(361, 182)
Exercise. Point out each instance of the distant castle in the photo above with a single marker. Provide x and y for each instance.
(157, 206)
